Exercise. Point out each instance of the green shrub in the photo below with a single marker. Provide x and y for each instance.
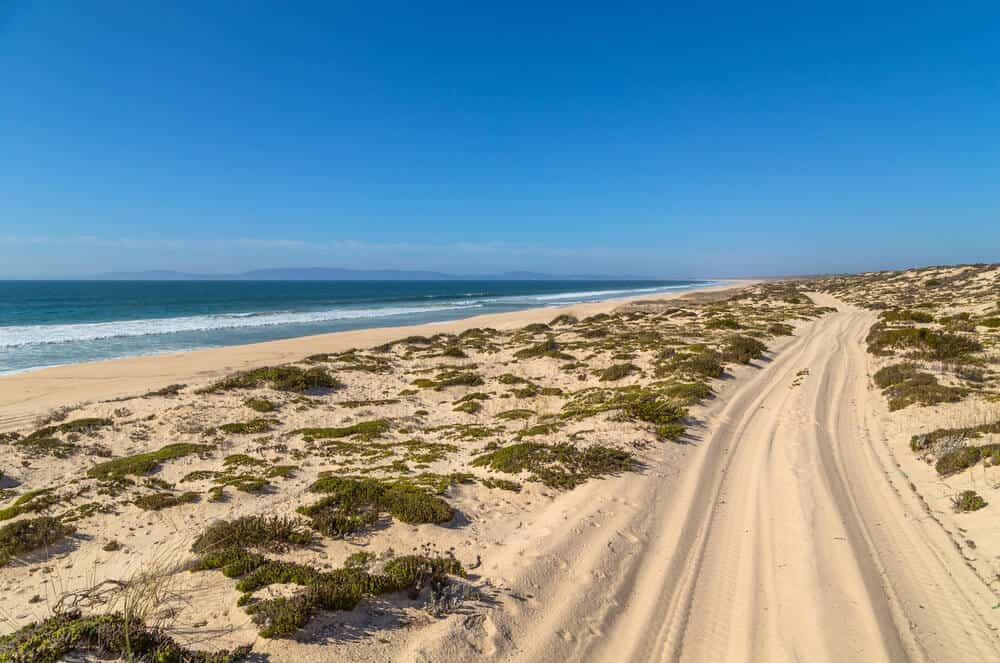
(272, 533)
(70, 636)
(780, 329)
(146, 463)
(968, 500)
(29, 534)
(353, 504)
(31, 502)
(280, 378)
(564, 319)
(902, 315)
(364, 430)
(617, 372)
(547, 348)
(742, 349)
(926, 343)
(260, 405)
(160, 501)
(81, 426)
(688, 392)
(707, 364)
(723, 323)
(249, 427)
(965, 457)
(557, 466)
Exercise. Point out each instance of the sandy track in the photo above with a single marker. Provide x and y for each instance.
(789, 535)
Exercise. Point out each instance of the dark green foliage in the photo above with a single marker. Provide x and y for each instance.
(31, 502)
(352, 504)
(262, 532)
(992, 323)
(46, 446)
(968, 500)
(742, 349)
(453, 351)
(564, 319)
(502, 484)
(707, 364)
(27, 535)
(547, 348)
(926, 440)
(780, 329)
(249, 427)
(557, 466)
(76, 426)
(723, 323)
(452, 378)
(169, 390)
(689, 392)
(160, 501)
(146, 463)
(280, 378)
(925, 343)
(341, 589)
(509, 415)
(965, 457)
(648, 407)
(364, 430)
(260, 405)
(617, 372)
(902, 315)
(107, 636)
(895, 374)
(905, 385)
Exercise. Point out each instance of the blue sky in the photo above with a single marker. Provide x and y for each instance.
(660, 139)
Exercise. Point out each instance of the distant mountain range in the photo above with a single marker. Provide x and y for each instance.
(338, 274)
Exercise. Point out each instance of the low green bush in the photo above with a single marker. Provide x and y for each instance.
(280, 378)
(71, 636)
(146, 463)
(30, 534)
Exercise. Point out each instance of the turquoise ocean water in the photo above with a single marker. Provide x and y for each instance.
(49, 323)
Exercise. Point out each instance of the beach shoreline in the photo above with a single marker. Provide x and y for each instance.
(29, 394)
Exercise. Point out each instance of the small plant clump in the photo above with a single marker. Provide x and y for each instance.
(273, 533)
(279, 378)
(147, 463)
(351, 505)
(905, 385)
(364, 430)
(249, 427)
(547, 348)
(260, 405)
(963, 458)
(340, 589)
(114, 635)
(160, 501)
(617, 372)
(743, 349)
(561, 466)
(27, 535)
(968, 500)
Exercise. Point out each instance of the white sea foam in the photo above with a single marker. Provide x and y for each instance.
(13, 337)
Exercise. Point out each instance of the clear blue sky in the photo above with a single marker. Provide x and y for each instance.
(659, 138)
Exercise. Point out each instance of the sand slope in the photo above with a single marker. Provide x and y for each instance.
(789, 536)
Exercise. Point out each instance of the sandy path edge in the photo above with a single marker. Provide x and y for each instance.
(24, 396)
(787, 536)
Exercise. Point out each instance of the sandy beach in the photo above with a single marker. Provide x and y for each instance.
(710, 476)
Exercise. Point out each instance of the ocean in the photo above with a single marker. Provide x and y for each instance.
(50, 323)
